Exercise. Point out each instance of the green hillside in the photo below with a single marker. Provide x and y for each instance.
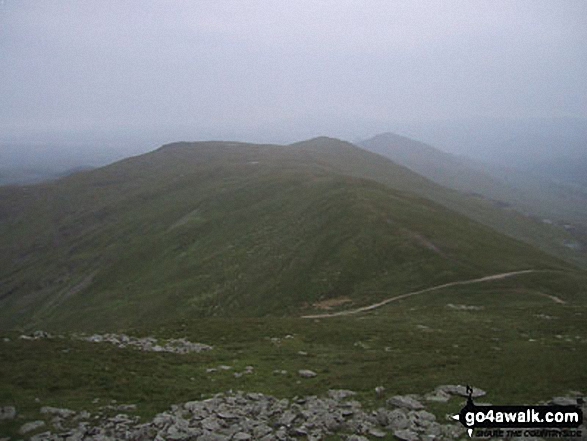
(514, 202)
(226, 229)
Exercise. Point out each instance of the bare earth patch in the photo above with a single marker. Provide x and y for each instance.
(331, 303)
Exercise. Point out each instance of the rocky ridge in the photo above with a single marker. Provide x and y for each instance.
(149, 344)
(242, 416)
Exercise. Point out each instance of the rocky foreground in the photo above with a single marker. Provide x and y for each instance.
(250, 416)
(244, 416)
(148, 344)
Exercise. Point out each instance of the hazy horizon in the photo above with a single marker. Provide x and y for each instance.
(263, 70)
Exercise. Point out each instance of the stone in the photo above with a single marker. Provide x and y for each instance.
(340, 394)
(306, 373)
(63, 413)
(377, 433)
(405, 402)
(406, 435)
(287, 418)
(461, 390)
(421, 418)
(29, 427)
(438, 396)
(564, 401)
(7, 413)
(397, 420)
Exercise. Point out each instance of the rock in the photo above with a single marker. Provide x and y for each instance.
(460, 390)
(438, 396)
(37, 335)
(564, 401)
(306, 373)
(29, 427)
(397, 420)
(421, 418)
(242, 416)
(340, 394)
(406, 435)
(464, 307)
(405, 402)
(377, 433)
(62, 413)
(45, 436)
(287, 418)
(7, 413)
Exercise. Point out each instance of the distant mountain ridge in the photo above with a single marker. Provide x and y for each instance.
(529, 193)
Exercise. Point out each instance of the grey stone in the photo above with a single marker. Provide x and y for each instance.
(340, 394)
(29, 427)
(7, 413)
(406, 435)
(63, 413)
(461, 390)
(422, 418)
(398, 420)
(287, 418)
(377, 433)
(564, 401)
(306, 373)
(438, 396)
(45, 436)
(405, 402)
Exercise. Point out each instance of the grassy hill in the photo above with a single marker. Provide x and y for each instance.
(518, 194)
(229, 229)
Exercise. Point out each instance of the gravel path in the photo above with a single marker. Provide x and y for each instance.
(422, 291)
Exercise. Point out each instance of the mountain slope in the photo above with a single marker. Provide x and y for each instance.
(502, 187)
(204, 229)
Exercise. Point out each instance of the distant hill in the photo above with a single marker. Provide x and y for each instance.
(26, 176)
(224, 229)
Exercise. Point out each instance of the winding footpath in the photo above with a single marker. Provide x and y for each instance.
(422, 291)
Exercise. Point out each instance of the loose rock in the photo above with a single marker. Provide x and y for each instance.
(7, 413)
(306, 373)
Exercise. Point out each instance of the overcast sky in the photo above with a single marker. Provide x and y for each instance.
(230, 67)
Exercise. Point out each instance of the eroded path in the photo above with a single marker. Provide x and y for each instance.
(422, 291)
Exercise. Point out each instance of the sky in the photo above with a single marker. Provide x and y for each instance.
(241, 69)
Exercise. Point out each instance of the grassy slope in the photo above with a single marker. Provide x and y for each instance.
(521, 348)
(213, 229)
(527, 194)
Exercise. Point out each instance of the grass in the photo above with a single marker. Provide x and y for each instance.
(507, 348)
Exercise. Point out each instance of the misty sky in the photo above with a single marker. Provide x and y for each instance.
(230, 67)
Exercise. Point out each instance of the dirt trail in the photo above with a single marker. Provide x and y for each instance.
(413, 293)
